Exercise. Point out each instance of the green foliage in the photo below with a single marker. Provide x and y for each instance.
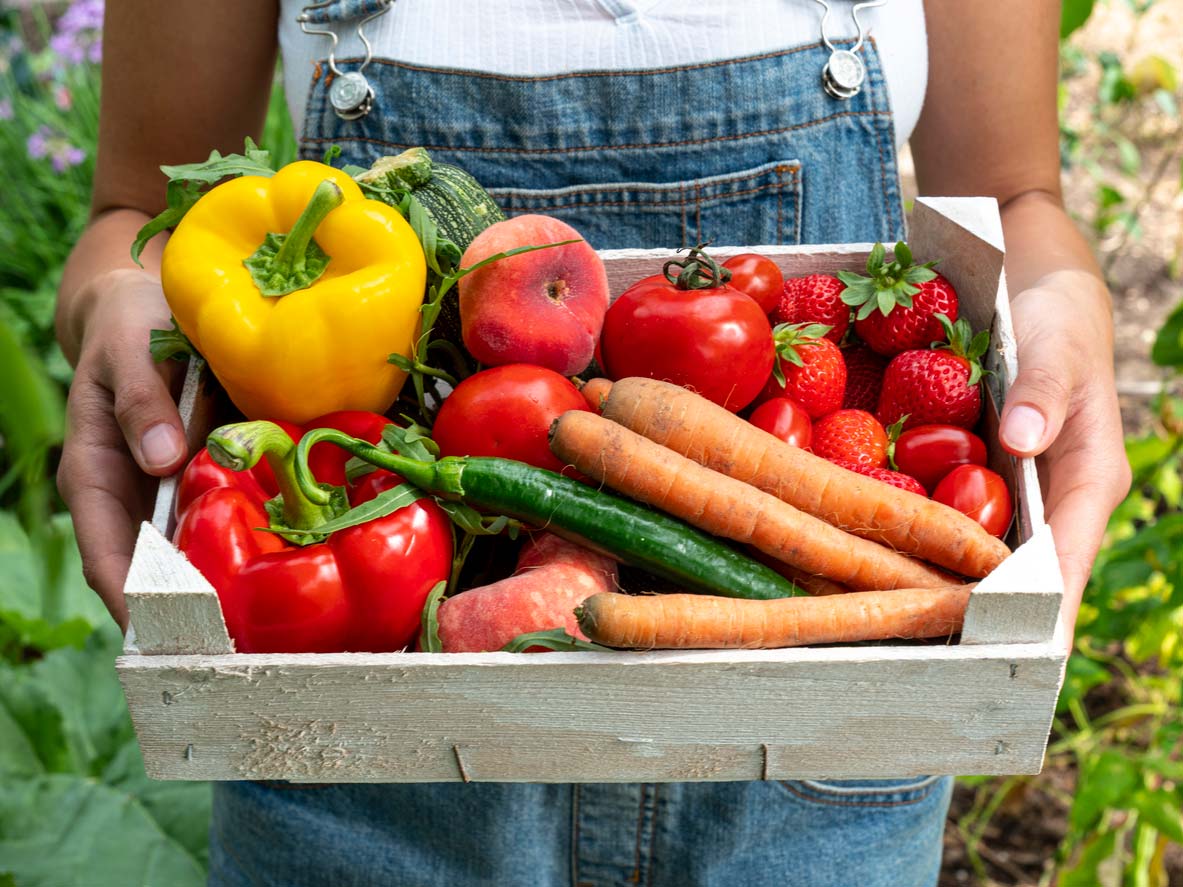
(75, 804)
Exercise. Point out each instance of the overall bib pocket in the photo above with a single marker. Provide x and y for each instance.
(751, 207)
(864, 792)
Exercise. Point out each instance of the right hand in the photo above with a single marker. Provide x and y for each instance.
(123, 428)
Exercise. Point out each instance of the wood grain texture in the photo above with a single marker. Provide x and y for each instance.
(838, 712)
(171, 607)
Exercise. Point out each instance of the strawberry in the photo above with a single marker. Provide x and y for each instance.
(809, 369)
(897, 303)
(814, 298)
(939, 385)
(895, 478)
(864, 378)
(853, 436)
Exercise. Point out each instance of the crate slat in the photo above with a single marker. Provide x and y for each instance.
(837, 712)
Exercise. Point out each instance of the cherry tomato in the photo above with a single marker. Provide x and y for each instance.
(759, 277)
(782, 417)
(712, 338)
(506, 411)
(929, 452)
(979, 493)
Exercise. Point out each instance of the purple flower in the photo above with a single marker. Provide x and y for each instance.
(78, 33)
(38, 142)
(46, 143)
(5, 109)
(67, 156)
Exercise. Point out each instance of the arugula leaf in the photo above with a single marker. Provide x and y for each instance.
(557, 639)
(189, 181)
(171, 344)
(429, 634)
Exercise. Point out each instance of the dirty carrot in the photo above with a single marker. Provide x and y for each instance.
(595, 392)
(725, 507)
(693, 426)
(692, 621)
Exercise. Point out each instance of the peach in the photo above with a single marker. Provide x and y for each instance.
(544, 307)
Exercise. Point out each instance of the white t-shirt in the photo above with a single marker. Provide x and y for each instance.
(540, 37)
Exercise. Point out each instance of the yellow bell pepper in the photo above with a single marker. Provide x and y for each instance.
(296, 289)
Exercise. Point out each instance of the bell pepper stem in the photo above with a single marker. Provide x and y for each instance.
(441, 477)
(284, 263)
(241, 445)
(326, 198)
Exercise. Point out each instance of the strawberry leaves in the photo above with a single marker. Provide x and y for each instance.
(886, 284)
(786, 337)
(963, 342)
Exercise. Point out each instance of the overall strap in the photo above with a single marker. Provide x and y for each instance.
(342, 10)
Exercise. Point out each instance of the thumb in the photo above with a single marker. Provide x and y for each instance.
(1038, 401)
(146, 414)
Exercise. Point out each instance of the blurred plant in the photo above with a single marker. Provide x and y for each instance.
(1131, 137)
(75, 804)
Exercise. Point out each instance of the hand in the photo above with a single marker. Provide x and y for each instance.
(122, 428)
(1063, 408)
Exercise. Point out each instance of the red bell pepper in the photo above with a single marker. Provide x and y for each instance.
(362, 588)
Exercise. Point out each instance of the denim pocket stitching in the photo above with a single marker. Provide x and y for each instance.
(864, 796)
(551, 198)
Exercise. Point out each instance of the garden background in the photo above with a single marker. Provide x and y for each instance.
(75, 805)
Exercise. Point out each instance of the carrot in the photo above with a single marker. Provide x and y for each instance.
(705, 432)
(722, 506)
(811, 583)
(695, 621)
(595, 392)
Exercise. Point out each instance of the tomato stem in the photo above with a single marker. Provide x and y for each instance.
(696, 272)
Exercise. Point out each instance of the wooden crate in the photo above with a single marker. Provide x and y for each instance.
(983, 705)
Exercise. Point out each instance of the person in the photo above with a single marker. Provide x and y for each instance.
(644, 123)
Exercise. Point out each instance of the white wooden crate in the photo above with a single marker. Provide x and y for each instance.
(981, 706)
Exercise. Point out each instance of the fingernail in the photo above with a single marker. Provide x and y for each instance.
(160, 446)
(1025, 427)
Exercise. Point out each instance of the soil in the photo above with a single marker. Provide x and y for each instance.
(1018, 844)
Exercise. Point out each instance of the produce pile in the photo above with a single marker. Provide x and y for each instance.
(453, 439)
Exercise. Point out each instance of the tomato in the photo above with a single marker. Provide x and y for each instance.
(759, 277)
(979, 493)
(929, 452)
(782, 417)
(506, 411)
(710, 338)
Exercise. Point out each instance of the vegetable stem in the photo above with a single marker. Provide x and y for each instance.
(241, 445)
(294, 251)
(441, 477)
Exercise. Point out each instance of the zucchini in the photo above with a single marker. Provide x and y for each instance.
(628, 531)
(451, 198)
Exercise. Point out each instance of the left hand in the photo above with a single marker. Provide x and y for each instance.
(1063, 408)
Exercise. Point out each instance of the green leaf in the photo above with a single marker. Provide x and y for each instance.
(385, 503)
(62, 829)
(1073, 14)
(188, 182)
(903, 253)
(876, 258)
(471, 521)
(557, 639)
(413, 441)
(171, 344)
(1161, 809)
(1080, 675)
(1168, 344)
(429, 633)
(1097, 850)
(1107, 780)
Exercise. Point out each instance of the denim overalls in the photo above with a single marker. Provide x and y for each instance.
(750, 151)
